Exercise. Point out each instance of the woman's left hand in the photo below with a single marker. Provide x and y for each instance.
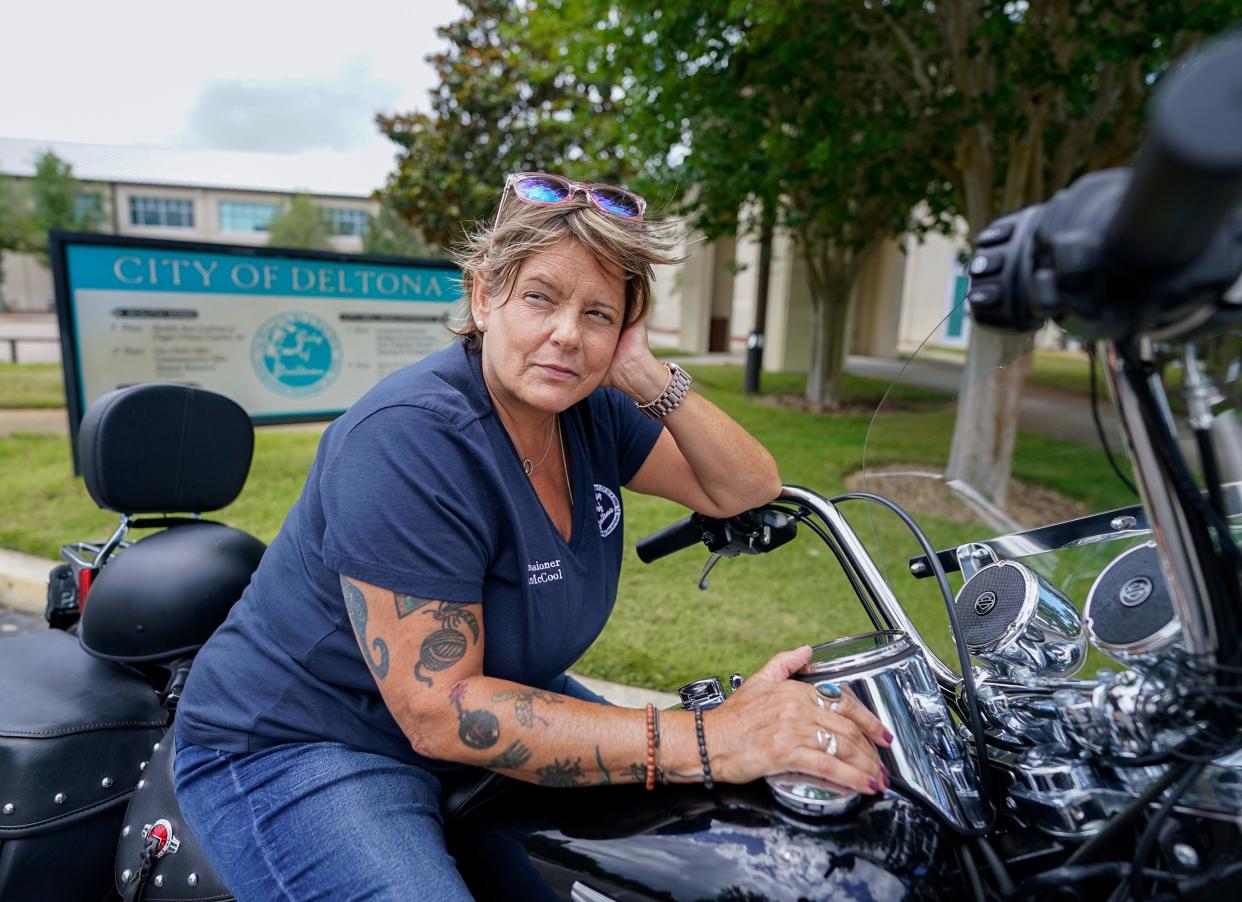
(634, 369)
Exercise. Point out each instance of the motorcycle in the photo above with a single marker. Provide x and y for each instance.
(1013, 776)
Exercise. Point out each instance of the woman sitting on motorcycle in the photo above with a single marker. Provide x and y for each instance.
(457, 546)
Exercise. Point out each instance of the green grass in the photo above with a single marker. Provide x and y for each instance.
(31, 385)
(664, 631)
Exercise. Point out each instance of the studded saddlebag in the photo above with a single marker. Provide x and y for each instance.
(74, 734)
(159, 860)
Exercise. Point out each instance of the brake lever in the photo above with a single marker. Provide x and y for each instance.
(712, 560)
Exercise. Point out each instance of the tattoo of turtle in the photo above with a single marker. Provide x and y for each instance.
(561, 773)
(524, 706)
(478, 729)
(511, 758)
(356, 605)
(447, 645)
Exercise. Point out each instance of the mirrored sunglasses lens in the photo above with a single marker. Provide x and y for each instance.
(542, 190)
(617, 202)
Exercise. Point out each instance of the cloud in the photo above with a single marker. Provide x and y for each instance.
(289, 115)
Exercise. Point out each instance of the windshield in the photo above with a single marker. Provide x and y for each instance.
(1058, 469)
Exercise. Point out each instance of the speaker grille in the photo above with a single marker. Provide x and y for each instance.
(1129, 601)
(990, 602)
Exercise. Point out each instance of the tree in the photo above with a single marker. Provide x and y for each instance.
(1012, 102)
(499, 107)
(388, 233)
(753, 109)
(300, 224)
(50, 199)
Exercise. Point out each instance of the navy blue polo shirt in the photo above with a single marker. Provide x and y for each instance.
(418, 489)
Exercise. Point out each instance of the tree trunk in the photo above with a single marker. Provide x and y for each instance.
(990, 397)
(831, 273)
(987, 411)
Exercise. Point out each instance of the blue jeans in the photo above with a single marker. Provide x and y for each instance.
(321, 820)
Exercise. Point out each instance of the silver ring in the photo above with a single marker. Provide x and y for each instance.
(820, 699)
(827, 740)
(834, 707)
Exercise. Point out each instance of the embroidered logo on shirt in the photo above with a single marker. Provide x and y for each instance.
(543, 572)
(607, 510)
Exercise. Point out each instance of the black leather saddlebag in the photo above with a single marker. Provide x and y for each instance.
(159, 860)
(75, 734)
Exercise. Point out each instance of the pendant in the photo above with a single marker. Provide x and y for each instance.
(527, 466)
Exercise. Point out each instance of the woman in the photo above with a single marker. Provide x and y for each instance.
(455, 548)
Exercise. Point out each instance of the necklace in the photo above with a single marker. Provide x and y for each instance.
(529, 467)
(560, 434)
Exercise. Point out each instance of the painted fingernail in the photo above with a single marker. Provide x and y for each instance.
(888, 737)
(888, 779)
(875, 787)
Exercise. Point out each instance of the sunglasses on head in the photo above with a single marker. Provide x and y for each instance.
(541, 188)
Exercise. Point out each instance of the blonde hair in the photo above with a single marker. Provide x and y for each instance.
(493, 253)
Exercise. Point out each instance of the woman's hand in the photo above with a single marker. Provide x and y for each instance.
(634, 369)
(773, 724)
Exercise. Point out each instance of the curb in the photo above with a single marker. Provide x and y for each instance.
(23, 581)
(23, 588)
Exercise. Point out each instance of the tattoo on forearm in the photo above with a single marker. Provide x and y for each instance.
(562, 773)
(356, 605)
(447, 645)
(636, 773)
(524, 706)
(478, 729)
(408, 604)
(605, 777)
(511, 758)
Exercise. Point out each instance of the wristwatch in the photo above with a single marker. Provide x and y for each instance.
(674, 393)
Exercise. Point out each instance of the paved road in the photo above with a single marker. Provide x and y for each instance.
(1058, 414)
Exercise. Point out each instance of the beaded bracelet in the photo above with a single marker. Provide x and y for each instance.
(651, 768)
(707, 766)
(660, 770)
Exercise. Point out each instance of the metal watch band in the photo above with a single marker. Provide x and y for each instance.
(672, 396)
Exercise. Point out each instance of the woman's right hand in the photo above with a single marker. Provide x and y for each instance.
(773, 724)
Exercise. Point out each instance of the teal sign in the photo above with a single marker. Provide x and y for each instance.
(142, 270)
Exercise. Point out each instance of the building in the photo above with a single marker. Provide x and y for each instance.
(184, 195)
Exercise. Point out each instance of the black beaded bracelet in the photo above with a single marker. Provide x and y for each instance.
(707, 765)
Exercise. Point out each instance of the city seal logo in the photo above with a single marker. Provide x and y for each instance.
(607, 510)
(296, 354)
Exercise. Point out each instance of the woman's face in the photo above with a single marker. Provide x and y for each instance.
(549, 341)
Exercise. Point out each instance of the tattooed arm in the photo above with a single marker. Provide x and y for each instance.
(427, 659)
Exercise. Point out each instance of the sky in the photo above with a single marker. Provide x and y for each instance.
(240, 75)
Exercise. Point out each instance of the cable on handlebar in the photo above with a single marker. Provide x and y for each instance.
(963, 654)
(1099, 425)
(802, 515)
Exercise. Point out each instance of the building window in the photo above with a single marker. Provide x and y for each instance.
(235, 217)
(87, 208)
(161, 211)
(346, 222)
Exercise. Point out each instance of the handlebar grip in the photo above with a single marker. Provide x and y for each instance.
(1188, 176)
(670, 539)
